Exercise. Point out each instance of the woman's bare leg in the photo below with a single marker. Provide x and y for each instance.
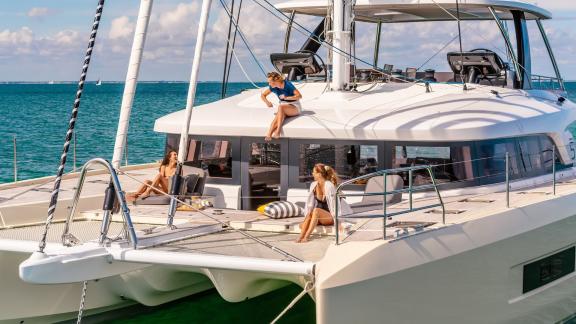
(317, 215)
(304, 227)
(283, 112)
(153, 186)
(272, 128)
(134, 195)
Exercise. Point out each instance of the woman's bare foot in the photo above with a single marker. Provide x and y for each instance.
(130, 197)
(276, 136)
(304, 240)
(268, 138)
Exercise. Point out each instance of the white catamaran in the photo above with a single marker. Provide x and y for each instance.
(461, 182)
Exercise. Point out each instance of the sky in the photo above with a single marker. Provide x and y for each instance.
(43, 40)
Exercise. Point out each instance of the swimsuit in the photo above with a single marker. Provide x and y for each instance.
(322, 204)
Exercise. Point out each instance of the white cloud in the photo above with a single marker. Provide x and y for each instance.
(38, 12)
(121, 27)
(22, 37)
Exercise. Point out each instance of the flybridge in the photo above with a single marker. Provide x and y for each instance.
(396, 11)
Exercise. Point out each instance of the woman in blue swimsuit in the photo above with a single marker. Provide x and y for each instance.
(289, 105)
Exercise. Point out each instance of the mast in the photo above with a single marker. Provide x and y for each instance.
(340, 42)
(131, 80)
(183, 146)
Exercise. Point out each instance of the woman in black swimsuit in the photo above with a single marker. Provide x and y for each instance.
(320, 204)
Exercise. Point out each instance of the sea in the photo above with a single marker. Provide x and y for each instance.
(33, 123)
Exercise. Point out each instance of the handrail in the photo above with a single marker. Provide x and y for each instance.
(119, 195)
(385, 193)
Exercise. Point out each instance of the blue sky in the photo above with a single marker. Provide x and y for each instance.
(45, 40)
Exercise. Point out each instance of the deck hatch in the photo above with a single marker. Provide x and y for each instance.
(544, 271)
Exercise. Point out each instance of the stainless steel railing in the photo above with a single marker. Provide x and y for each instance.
(68, 238)
(410, 190)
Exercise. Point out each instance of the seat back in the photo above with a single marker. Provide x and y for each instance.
(376, 185)
(194, 180)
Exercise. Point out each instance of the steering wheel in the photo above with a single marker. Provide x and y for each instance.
(498, 59)
(323, 65)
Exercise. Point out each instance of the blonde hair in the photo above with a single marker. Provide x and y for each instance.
(275, 76)
(327, 172)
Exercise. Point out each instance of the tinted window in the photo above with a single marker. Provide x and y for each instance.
(349, 161)
(451, 163)
(214, 156)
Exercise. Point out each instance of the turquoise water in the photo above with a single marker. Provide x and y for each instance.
(37, 116)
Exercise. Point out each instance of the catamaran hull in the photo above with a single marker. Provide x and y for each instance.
(466, 273)
(32, 303)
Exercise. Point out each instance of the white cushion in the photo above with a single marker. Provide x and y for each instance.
(282, 209)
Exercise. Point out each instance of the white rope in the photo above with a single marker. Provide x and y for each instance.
(307, 288)
(244, 71)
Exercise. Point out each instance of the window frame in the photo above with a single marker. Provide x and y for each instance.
(235, 155)
(294, 158)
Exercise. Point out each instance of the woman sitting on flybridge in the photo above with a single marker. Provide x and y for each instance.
(289, 105)
(321, 204)
(161, 181)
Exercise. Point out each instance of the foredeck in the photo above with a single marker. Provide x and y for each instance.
(230, 232)
(220, 231)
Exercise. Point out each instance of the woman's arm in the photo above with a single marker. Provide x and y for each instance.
(163, 170)
(297, 96)
(310, 202)
(263, 96)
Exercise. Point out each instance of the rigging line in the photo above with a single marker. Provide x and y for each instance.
(461, 53)
(244, 71)
(446, 10)
(243, 37)
(309, 34)
(71, 124)
(437, 52)
(223, 90)
(233, 47)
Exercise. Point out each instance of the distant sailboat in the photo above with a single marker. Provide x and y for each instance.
(99, 82)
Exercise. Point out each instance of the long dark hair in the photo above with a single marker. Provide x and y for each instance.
(166, 158)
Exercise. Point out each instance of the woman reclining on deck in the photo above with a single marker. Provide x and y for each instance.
(321, 203)
(161, 181)
(289, 105)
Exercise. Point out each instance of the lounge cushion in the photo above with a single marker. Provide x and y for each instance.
(282, 209)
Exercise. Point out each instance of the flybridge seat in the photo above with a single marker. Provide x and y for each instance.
(376, 185)
(477, 65)
(193, 180)
(297, 65)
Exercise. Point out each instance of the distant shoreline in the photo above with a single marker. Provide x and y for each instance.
(109, 82)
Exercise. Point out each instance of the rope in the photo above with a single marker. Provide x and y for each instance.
(71, 124)
(307, 288)
(244, 40)
(82, 302)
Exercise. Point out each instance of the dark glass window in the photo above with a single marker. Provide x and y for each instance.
(492, 159)
(544, 271)
(214, 156)
(451, 163)
(349, 161)
(531, 154)
(264, 173)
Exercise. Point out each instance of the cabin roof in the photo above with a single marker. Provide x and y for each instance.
(395, 11)
(387, 112)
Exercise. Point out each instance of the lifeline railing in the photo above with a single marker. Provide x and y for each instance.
(67, 237)
(410, 190)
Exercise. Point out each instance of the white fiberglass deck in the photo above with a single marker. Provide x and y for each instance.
(223, 237)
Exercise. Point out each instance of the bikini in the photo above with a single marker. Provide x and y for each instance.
(322, 204)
